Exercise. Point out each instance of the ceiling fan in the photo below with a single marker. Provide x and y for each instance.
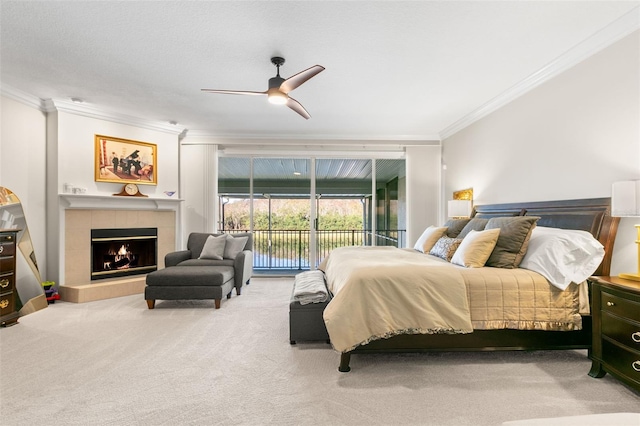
(279, 88)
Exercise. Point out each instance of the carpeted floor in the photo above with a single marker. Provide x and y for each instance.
(114, 362)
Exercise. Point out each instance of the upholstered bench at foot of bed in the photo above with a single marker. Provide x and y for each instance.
(189, 282)
(306, 322)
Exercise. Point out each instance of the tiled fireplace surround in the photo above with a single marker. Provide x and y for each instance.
(78, 222)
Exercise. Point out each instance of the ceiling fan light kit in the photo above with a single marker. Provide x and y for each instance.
(276, 97)
(279, 88)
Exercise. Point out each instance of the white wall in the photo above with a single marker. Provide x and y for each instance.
(423, 164)
(198, 188)
(76, 154)
(23, 171)
(571, 137)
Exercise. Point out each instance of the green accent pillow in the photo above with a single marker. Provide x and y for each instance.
(475, 224)
(454, 226)
(513, 240)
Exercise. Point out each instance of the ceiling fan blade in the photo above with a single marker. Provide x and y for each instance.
(297, 107)
(233, 92)
(297, 79)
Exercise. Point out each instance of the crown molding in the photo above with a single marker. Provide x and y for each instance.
(87, 110)
(602, 39)
(200, 137)
(22, 97)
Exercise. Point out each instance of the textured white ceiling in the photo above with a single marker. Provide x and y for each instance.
(394, 70)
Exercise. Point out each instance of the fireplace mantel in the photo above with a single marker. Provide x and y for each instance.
(106, 202)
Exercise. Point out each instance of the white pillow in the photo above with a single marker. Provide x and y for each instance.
(214, 247)
(475, 248)
(563, 256)
(234, 246)
(429, 237)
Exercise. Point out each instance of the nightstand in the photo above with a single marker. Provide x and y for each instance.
(615, 306)
(8, 314)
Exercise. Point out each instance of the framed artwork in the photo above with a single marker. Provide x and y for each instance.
(125, 161)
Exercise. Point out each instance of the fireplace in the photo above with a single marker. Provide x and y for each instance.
(123, 252)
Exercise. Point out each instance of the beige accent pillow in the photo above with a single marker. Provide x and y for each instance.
(476, 248)
(429, 238)
(445, 247)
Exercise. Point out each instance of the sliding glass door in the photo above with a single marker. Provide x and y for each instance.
(282, 220)
(300, 209)
(342, 189)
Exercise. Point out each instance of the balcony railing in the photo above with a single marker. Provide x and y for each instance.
(289, 249)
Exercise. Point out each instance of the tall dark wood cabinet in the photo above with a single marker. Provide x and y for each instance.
(615, 304)
(8, 314)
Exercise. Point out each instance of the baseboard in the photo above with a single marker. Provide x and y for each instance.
(107, 289)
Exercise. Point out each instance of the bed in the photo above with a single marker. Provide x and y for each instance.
(573, 330)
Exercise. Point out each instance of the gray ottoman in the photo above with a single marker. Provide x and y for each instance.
(306, 322)
(189, 282)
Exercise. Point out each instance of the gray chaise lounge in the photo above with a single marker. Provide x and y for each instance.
(185, 276)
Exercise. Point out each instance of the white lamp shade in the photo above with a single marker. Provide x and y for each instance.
(459, 208)
(625, 198)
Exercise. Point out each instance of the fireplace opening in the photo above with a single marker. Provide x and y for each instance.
(123, 252)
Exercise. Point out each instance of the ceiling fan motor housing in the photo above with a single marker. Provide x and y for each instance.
(275, 82)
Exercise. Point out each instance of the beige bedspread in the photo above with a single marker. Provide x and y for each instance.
(520, 299)
(384, 291)
(380, 292)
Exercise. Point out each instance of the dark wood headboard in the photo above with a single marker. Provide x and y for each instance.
(591, 214)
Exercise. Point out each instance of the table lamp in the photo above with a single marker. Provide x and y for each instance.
(459, 208)
(625, 202)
